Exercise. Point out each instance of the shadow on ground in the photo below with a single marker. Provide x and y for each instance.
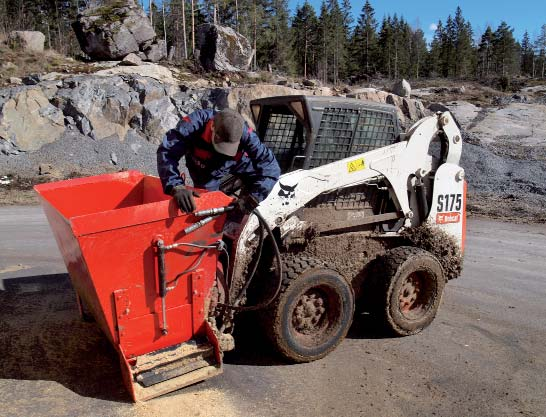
(366, 326)
(253, 347)
(43, 338)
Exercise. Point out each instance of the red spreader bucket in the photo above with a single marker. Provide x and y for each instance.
(144, 270)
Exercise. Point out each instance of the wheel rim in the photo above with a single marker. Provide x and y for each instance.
(316, 315)
(415, 296)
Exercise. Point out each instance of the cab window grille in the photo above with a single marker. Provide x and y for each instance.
(334, 135)
(375, 130)
(346, 132)
(284, 136)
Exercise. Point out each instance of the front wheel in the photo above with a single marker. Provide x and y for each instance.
(409, 286)
(313, 312)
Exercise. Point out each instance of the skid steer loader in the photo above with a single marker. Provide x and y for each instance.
(360, 209)
(361, 212)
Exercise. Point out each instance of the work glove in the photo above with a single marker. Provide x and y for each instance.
(184, 198)
(245, 204)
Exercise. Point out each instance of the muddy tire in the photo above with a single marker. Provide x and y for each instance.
(312, 313)
(408, 291)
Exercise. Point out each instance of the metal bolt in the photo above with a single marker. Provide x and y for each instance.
(278, 221)
(409, 215)
(456, 139)
(444, 121)
(459, 176)
(421, 173)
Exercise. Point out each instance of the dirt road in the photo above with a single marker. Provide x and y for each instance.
(483, 356)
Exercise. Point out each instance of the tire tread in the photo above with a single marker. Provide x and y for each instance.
(293, 267)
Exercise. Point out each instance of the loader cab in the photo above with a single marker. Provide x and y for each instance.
(309, 131)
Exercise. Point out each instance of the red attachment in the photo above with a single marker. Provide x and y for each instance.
(463, 240)
(106, 228)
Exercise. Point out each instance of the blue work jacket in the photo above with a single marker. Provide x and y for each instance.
(254, 163)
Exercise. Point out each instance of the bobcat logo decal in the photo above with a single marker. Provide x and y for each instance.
(287, 192)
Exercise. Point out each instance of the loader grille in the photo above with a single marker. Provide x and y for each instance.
(351, 198)
(284, 136)
(346, 132)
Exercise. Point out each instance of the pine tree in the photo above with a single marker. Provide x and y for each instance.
(540, 47)
(337, 37)
(304, 31)
(395, 45)
(505, 51)
(404, 48)
(272, 46)
(463, 45)
(419, 54)
(386, 46)
(435, 56)
(485, 53)
(364, 41)
(344, 54)
(527, 55)
(324, 33)
(449, 48)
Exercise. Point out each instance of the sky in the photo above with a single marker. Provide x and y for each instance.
(521, 15)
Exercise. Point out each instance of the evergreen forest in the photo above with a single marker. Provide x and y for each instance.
(326, 44)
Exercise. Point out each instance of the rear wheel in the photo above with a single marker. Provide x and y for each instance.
(313, 312)
(409, 284)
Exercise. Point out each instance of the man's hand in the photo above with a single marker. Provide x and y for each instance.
(246, 204)
(184, 198)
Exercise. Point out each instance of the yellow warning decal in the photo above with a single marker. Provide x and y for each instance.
(356, 165)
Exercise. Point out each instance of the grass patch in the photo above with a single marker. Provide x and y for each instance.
(111, 12)
(15, 63)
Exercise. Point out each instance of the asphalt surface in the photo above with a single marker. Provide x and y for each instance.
(484, 355)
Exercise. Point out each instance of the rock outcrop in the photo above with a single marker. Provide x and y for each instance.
(116, 29)
(220, 48)
(134, 102)
(26, 40)
(28, 121)
(519, 124)
(409, 110)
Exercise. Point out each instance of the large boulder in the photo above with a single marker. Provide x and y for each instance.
(27, 40)
(131, 60)
(28, 121)
(113, 30)
(402, 88)
(156, 51)
(220, 48)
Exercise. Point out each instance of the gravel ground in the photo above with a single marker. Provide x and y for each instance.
(75, 153)
(504, 187)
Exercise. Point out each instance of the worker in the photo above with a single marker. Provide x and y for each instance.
(216, 144)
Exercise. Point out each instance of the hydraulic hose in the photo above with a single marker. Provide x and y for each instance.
(259, 249)
(235, 306)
